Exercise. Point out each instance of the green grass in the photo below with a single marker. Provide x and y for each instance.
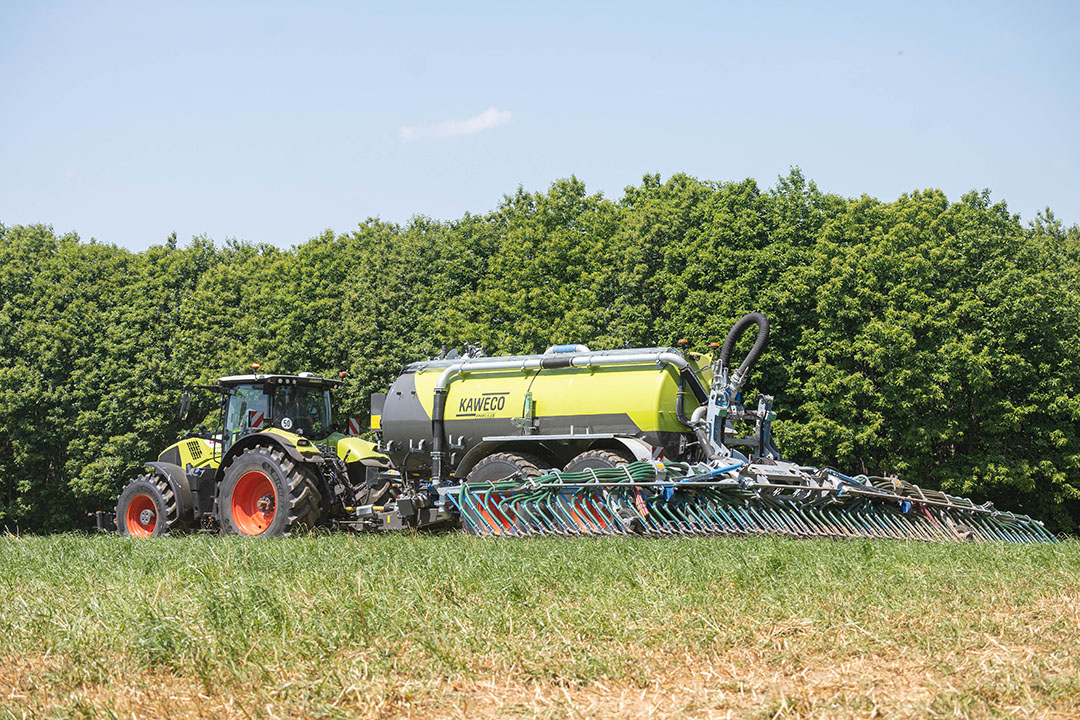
(340, 626)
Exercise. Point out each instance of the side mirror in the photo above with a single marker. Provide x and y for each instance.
(185, 402)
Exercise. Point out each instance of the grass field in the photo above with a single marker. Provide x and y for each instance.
(453, 626)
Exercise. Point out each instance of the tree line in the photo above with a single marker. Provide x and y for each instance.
(938, 340)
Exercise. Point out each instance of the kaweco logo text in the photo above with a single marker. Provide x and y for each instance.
(485, 405)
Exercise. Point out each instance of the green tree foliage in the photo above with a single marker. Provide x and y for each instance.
(933, 339)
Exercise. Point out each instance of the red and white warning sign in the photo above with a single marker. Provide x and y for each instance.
(354, 426)
(256, 418)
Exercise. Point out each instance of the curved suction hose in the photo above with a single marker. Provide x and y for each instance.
(736, 332)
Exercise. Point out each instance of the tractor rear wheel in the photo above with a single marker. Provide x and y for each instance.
(147, 507)
(598, 460)
(503, 465)
(266, 494)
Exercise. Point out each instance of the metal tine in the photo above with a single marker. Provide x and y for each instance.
(816, 527)
(767, 507)
(937, 529)
(796, 517)
(1000, 529)
(582, 509)
(732, 521)
(671, 520)
(824, 519)
(528, 509)
(564, 517)
(758, 523)
(856, 523)
(727, 523)
(931, 527)
(841, 519)
(538, 508)
(699, 515)
(709, 510)
(824, 515)
(475, 506)
(886, 518)
(685, 516)
(987, 530)
(792, 522)
(808, 528)
(918, 527)
(512, 507)
(864, 527)
(649, 520)
(763, 522)
(668, 516)
(580, 513)
(610, 520)
(724, 509)
(557, 507)
(1013, 530)
(821, 525)
(749, 524)
(881, 517)
(497, 504)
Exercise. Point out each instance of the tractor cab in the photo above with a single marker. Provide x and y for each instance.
(297, 404)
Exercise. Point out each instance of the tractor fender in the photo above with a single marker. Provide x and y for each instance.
(177, 479)
(273, 440)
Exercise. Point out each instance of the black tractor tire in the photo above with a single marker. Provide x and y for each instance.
(501, 466)
(598, 460)
(147, 507)
(263, 493)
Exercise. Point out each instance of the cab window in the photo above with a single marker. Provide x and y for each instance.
(302, 410)
(243, 398)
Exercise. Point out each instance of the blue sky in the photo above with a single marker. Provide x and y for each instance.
(271, 122)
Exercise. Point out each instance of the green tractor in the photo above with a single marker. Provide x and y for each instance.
(277, 465)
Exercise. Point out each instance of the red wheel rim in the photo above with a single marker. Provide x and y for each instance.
(141, 516)
(254, 502)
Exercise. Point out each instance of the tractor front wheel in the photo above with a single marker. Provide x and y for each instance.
(265, 494)
(147, 508)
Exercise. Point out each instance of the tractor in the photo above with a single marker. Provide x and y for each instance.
(278, 464)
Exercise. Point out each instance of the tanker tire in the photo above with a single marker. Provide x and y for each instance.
(147, 507)
(597, 460)
(503, 465)
(244, 495)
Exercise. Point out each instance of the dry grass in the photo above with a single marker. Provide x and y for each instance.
(431, 627)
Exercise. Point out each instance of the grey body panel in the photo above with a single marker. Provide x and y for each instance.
(407, 431)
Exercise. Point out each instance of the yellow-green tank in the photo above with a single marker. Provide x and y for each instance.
(547, 411)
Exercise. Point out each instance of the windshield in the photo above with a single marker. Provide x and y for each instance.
(302, 410)
(243, 398)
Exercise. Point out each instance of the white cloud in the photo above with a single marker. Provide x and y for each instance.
(492, 117)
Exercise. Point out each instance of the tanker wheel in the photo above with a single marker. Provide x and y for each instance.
(147, 507)
(598, 460)
(503, 465)
(265, 494)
